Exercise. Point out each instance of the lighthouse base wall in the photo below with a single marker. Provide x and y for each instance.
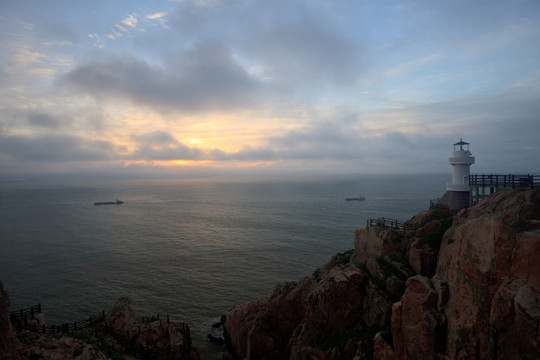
(455, 200)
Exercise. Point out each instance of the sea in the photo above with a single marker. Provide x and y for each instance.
(187, 248)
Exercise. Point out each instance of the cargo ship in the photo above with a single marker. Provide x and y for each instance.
(117, 202)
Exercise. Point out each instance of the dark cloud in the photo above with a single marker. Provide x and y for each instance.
(48, 149)
(293, 44)
(325, 140)
(46, 120)
(248, 154)
(43, 119)
(203, 78)
(307, 50)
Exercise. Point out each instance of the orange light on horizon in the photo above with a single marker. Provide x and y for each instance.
(200, 163)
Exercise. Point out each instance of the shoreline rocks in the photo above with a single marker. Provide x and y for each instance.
(119, 334)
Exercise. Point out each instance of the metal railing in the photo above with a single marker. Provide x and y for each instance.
(21, 320)
(505, 181)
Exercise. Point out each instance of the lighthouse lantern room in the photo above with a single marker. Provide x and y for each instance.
(461, 161)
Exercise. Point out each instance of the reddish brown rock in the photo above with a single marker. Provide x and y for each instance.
(376, 241)
(421, 258)
(417, 327)
(381, 349)
(488, 257)
(335, 304)
(367, 243)
(261, 329)
(153, 335)
(63, 348)
(121, 318)
(8, 343)
(158, 335)
(430, 228)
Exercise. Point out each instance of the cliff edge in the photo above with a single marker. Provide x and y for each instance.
(441, 287)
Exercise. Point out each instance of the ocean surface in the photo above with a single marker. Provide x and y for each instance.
(190, 248)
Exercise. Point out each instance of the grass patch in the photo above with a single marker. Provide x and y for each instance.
(378, 283)
(342, 259)
(317, 275)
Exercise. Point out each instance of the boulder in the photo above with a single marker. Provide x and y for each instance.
(421, 258)
(417, 327)
(381, 349)
(121, 318)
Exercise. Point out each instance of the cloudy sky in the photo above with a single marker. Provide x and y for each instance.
(268, 85)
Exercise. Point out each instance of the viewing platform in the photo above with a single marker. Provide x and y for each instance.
(481, 186)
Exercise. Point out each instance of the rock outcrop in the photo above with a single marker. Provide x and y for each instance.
(154, 335)
(8, 343)
(447, 287)
(490, 261)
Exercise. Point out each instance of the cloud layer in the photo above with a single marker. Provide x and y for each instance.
(278, 84)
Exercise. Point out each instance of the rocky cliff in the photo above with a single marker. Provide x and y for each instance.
(444, 287)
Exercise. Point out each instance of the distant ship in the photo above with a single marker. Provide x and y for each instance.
(360, 198)
(117, 202)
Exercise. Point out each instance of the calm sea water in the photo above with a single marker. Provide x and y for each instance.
(188, 248)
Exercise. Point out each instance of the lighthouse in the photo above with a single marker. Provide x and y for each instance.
(457, 192)
(461, 161)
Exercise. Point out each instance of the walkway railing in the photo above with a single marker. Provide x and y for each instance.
(23, 315)
(21, 319)
(385, 222)
(482, 186)
(438, 214)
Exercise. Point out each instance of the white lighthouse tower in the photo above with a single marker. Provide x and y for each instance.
(457, 192)
(461, 161)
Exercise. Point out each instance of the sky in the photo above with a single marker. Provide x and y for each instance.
(209, 86)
